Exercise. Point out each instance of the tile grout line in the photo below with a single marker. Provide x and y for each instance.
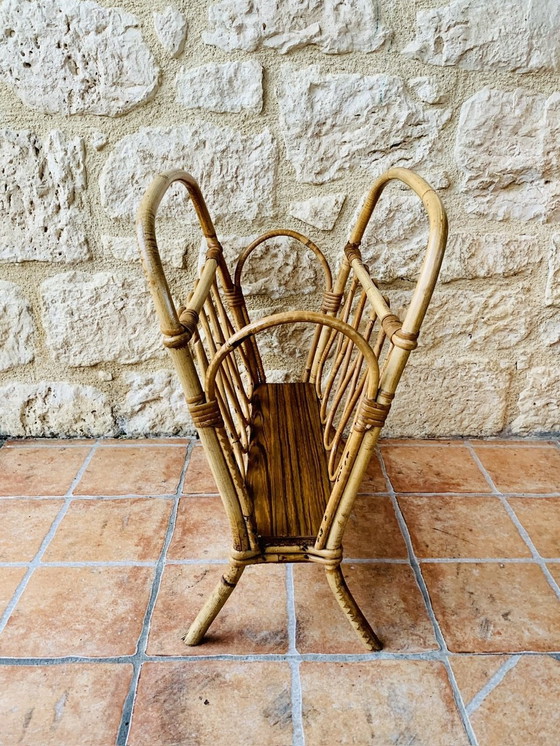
(458, 697)
(298, 737)
(193, 440)
(140, 656)
(492, 683)
(36, 561)
(434, 655)
(197, 495)
(519, 526)
(345, 561)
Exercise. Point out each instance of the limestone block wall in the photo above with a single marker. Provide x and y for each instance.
(285, 111)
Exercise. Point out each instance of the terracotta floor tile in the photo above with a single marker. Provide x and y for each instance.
(372, 530)
(541, 518)
(374, 479)
(472, 672)
(555, 571)
(133, 471)
(492, 607)
(523, 468)
(62, 705)
(201, 530)
(388, 596)
(212, 702)
(254, 619)
(23, 526)
(523, 709)
(39, 471)
(379, 702)
(111, 530)
(452, 526)
(433, 469)
(198, 478)
(90, 611)
(10, 578)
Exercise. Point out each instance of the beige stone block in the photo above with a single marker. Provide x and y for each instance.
(75, 57)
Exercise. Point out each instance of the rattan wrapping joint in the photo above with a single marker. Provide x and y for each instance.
(405, 340)
(352, 251)
(331, 301)
(177, 341)
(391, 324)
(189, 319)
(233, 296)
(206, 414)
(214, 250)
(371, 414)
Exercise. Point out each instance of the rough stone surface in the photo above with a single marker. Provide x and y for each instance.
(427, 89)
(549, 330)
(75, 57)
(433, 400)
(508, 152)
(552, 291)
(284, 25)
(98, 139)
(171, 29)
(277, 268)
(472, 256)
(275, 145)
(154, 405)
(538, 404)
(287, 342)
(332, 123)
(125, 249)
(94, 318)
(474, 319)
(230, 86)
(517, 35)
(320, 212)
(47, 409)
(236, 172)
(471, 319)
(42, 187)
(16, 327)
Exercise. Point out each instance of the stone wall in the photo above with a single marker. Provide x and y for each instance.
(285, 111)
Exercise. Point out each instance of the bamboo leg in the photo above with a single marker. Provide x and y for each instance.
(213, 605)
(351, 608)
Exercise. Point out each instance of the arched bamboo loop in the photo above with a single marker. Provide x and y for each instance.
(293, 317)
(288, 458)
(307, 242)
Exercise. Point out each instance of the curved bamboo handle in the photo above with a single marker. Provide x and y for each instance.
(436, 241)
(149, 252)
(294, 317)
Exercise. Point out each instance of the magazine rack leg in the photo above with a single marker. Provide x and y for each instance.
(347, 603)
(213, 605)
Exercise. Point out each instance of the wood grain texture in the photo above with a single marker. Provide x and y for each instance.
(287, 475)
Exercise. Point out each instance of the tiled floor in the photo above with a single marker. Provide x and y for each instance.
(108, 549)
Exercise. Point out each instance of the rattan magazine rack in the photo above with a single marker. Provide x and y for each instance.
(288, 458)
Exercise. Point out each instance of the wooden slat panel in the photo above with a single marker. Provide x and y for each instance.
(287, 474)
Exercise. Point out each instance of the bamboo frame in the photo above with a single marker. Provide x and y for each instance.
(214, 348)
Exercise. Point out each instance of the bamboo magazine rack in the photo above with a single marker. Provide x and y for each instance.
(288, 458)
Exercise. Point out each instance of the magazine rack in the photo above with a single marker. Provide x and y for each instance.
(288, 458)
